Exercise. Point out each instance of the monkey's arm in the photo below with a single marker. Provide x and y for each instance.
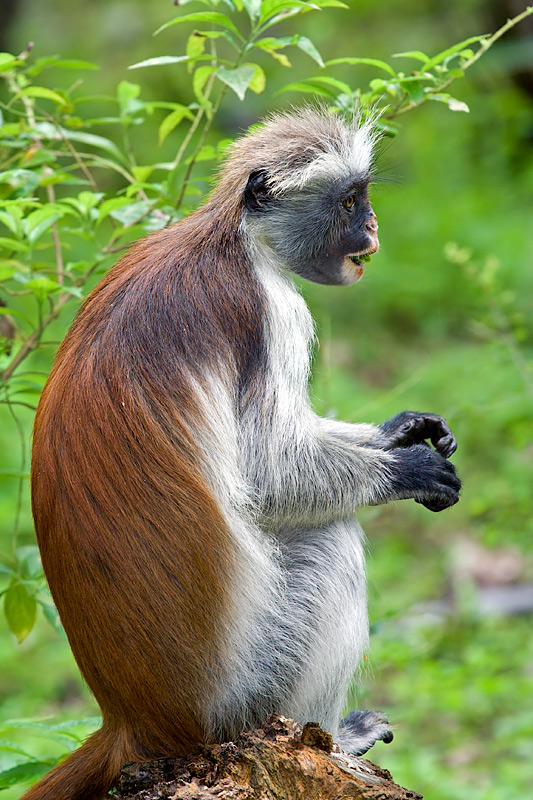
(327, 470)
(403, 430)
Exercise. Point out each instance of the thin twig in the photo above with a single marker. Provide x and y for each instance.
(60, 271)
(34, 338)
(484, 46)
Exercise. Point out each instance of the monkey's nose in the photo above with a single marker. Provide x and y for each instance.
(371, 225)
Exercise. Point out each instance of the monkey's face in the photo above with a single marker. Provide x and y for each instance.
(324, 232)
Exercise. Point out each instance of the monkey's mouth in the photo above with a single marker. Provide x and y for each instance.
(354, 264)
(361, 259)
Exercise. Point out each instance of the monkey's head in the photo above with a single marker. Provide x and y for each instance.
(302, 179)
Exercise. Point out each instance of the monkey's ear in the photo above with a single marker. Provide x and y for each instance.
(257, 195)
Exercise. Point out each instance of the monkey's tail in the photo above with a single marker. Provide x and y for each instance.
(88, 773)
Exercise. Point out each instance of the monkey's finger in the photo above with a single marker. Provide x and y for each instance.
(446, 445)
(440, 435)
(439, 502)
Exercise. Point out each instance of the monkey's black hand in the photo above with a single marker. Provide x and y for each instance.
(425, 475)
(414, 427)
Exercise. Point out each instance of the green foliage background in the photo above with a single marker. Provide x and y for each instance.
(441, 322)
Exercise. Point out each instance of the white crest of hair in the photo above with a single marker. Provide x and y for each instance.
(331, 147)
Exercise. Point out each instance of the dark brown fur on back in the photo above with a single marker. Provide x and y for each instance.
(119, 491)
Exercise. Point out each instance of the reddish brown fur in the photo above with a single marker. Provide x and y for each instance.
(135, 548)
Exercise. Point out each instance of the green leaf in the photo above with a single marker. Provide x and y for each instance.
(108, 206)
(253, 8)
(329, 4)
(13, 747)
(305, 44)
(307, 88)
(40, 92)
(127, 96)
(29, 557)
(274, 8)
(450, 51)
(20, 609)
(41, 220)
(238, 79)
(418, 54)
(12, 219)
(131, 213)
(196, 45)
(414, 89)
(207, 153)
(141, 174)
(258, 82)
(57, 133)
(42, 287)
(371, 62)
(213, 17)
(159, 61)
(452, 103)
(457, 105)
(199, 80)
(172, 120)
(7, 60)
(24, 773)
(52, 617)
(24, 180)
(6, 273)
(13, 244)
(333, 82)
(320, 85)
(271, 45)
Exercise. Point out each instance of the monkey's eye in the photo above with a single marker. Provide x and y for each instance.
(349, 202)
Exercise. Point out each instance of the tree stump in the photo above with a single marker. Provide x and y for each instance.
(280, 761)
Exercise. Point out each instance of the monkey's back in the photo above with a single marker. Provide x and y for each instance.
(134, 545)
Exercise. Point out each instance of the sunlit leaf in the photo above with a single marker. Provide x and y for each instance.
(450, 51)
(58, 133)
(238, 79)
(253, 8)
(354, 61)
(20, 609)
(305, 44)
(6, 272)
(199, 80)
(159, 61)
(307, 88)
(214, 17)
(7, 60)
(24, 773)
(418, 54)
(172, 120)
(41, 220)
(40, 92)
(274, 8)
(42, 287)
(128, 214)
(13, 244)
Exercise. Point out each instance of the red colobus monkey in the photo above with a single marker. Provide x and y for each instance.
(195, 517)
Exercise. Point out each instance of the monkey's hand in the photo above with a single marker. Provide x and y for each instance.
(425, 475)
(414, 427)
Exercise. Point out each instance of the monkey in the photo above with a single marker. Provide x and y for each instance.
(195, 517)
